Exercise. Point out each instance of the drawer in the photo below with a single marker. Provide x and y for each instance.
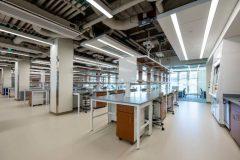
(101, 104)
(101, 93)
(125, 108)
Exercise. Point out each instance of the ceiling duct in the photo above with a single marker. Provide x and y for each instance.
(125, 24)
(19, 40)
(114, 12)
(133, 21)
(30, 13)
(46, 32)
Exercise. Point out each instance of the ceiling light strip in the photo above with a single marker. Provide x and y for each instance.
(211, 14)
(17, 53)
(229, 22)
(104, 42)
(91, 61)
(24, 35)
(101, 7)
(179, 34)
(103, 50)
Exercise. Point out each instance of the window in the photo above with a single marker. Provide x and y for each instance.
(193, 82)
(183, 80)
(174, 79)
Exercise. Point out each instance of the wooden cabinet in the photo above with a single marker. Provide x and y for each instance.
(235, 122)
(101, 104)
(125, 123)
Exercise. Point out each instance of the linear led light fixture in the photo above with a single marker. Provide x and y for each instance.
(24, 35)
(4, 60)
(103, 50)
(17, 53)
(228, 24)
(104, 42)
(101, 7)
(179, 34)
(211, 14)
(41, 62)
(91, 61)
(39, 67)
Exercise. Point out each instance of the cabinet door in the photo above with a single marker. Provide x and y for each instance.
(235, 123)
(125, 126)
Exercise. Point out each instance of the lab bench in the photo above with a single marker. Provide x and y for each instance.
(130, 113)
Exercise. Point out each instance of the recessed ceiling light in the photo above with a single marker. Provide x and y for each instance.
(103, 50)
(104, 42)
(179, 34)
(101, 7)
(211, 14)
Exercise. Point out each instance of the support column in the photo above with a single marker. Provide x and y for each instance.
(1, 81)
(42, 79)
(61, 79)
(7, 80)
(98, 79)
(140, 67)
(148, 79)
(22, 77)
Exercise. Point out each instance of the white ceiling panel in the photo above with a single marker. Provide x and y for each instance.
(223, 12)
(234, 30)
(192, 22)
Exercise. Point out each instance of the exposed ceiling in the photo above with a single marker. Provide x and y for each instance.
(49, 19)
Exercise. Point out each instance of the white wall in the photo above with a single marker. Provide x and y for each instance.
(230, 70)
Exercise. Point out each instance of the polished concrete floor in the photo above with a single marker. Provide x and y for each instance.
(33, 134)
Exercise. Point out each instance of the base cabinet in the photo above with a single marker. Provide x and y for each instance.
(235, 122)
(125, 123)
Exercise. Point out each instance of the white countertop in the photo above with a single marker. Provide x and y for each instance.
(135, 98)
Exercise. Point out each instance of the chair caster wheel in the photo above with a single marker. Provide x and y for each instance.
(163, 129)
(120, 139)
(173, 113)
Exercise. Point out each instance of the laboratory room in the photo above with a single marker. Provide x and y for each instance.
(119, 79)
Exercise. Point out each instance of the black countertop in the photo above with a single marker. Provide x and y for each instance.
(234, 98)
